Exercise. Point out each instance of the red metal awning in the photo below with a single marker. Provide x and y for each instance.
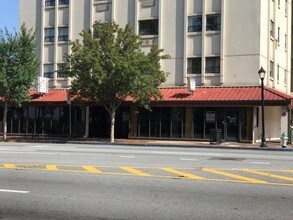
(59, 95)
(180, 96)
(221, 96)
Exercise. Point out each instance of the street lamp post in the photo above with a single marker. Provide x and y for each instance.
(262, 73)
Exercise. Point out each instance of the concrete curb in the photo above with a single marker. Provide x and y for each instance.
(153, 145)
(176, 145)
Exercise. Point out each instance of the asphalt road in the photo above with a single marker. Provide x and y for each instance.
(62, 181)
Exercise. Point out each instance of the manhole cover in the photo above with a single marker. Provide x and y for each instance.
(226, 158)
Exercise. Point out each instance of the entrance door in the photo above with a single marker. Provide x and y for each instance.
(232, 125)
(99, 125)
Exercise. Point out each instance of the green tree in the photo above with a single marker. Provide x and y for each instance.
(18, 68)
(108, 66)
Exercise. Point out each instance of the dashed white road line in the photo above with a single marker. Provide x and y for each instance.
(127, 156)
(188, 159)
(33, 152)
(14, 191)
(265, 163)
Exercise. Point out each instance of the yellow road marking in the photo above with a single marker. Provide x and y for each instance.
(286, 171)
(10, 166)
(135, 171)
(179, 171)
(51, 167)
(184, 174)
(91, 169)
(269, 175)
(251, 180)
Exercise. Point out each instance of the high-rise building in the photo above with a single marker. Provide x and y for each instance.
(221, 43)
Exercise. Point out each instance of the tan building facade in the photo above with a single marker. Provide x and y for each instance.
(222, 43)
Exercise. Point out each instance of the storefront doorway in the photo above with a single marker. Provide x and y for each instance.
(231, 126)
(100, 122)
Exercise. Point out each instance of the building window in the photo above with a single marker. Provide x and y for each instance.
(59, 74)
(278, 35)
(271, 69)
(63, 2)
(279, 3)
(272, 29)
(214, 22)
(63, 34)
(194, 65)
(49, 70)
(49, 35)
(286, 8)
(212, 65)
(149, 27)
(195, 23)
(49, 2)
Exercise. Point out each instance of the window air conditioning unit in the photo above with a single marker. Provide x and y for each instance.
(147, 42)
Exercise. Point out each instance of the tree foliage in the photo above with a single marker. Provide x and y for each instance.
(18, 67)
(108, 66)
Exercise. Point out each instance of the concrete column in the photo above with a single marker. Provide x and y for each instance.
(70, 16)
(222, 63)
(203, 53)
(55, 45)
(188, 122)
(185, 43)
(87, 121)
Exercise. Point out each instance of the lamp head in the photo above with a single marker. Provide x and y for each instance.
(261, 73)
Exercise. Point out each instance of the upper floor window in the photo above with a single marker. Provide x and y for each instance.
(194, 65)
(149, 27)
(212, 65)
(49, 70)
(59, 74)
(63, 2)
(272, 29)
(63, 34)
(195, 23)
(272, 69)
(213, 22)
(278, 37)
(49, 2)
(49, 35)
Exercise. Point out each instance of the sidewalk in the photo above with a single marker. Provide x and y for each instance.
(151, 142)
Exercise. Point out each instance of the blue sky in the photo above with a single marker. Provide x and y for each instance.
(9, 14)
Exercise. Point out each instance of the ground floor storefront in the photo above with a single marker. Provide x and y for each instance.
(197, 123)
(180, 115)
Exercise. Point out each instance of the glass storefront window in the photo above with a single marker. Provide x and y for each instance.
(143, 123)
(31, 120)
(78, 120)
(161, 122)
(165, 122)
(198, 122)
(155, 122)
(177, 122)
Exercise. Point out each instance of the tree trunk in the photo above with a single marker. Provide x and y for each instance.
(5, 121)
(113, 112)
